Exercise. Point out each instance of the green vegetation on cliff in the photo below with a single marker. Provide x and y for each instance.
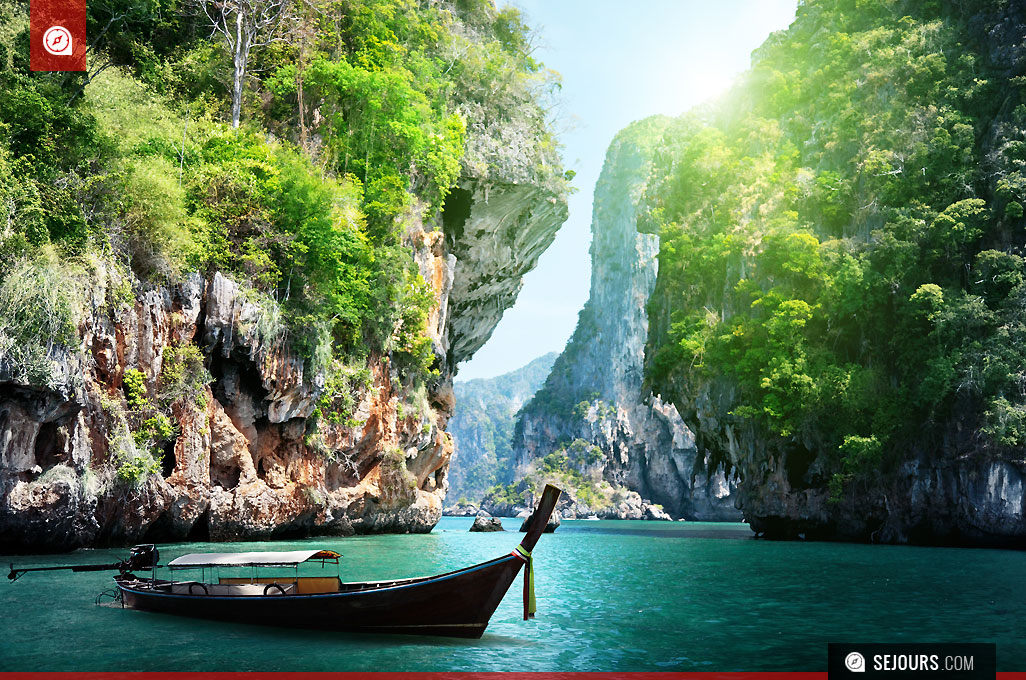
(842, 236)
(575, 467)
(358, 117)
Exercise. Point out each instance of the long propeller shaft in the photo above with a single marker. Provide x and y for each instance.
(18, 573)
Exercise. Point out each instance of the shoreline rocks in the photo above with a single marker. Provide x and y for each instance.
(656, 513)
(631, 507)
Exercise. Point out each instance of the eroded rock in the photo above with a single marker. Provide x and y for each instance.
(550, 526)
(462, 510)
(486, 524)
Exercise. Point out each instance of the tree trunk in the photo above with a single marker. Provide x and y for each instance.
(243, 40)
(303, 35)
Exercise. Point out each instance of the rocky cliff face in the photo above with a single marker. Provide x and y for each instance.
(594, 394)
(934, 496)
(243, 461)
(495, 232)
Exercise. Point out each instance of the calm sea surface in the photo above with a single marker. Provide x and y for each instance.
(612, 595)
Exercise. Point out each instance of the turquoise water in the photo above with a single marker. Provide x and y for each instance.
(612, 595)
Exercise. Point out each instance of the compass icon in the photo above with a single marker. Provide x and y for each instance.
(57, 41)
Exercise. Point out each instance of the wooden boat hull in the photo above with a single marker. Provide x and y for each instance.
(456, 604)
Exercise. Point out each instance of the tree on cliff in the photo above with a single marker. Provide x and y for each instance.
(143, 171)
(245, 25)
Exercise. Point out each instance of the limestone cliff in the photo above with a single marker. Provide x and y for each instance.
(860, 415)
(244, 461)
(933, 496)
(594, 395)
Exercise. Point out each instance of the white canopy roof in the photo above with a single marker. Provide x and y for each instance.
(251, 559)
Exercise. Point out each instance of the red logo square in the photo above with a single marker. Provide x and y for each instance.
(57, 35)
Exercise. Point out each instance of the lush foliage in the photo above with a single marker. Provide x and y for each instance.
(337, 402)
(39, 300)
(575, 467)
(134, 384)
(358, 123)
(506, 495)
(183, 377)
(841, 237)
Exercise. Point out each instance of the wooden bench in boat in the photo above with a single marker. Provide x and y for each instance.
(304, 585)
(232, 589)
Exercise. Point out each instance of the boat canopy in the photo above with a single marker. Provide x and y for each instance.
(289, 558)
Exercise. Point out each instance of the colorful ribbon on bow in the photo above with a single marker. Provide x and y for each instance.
(530, 606)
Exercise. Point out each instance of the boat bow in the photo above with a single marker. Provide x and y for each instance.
(539, 520)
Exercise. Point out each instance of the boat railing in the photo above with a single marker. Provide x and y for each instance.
(284, 585)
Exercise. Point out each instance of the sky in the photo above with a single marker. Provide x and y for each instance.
(619, 62)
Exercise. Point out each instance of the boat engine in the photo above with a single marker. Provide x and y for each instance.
(140, 558)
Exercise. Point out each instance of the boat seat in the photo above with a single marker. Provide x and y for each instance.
(306, 585)
(231, 589)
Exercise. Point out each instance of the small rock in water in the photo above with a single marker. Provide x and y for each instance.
(655, 512)
(486, 524)
(549, 528)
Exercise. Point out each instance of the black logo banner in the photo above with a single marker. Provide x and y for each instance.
(954, 661)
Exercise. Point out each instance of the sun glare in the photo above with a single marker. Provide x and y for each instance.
(704, 85)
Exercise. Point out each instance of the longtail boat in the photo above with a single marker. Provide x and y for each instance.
(457, 604)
